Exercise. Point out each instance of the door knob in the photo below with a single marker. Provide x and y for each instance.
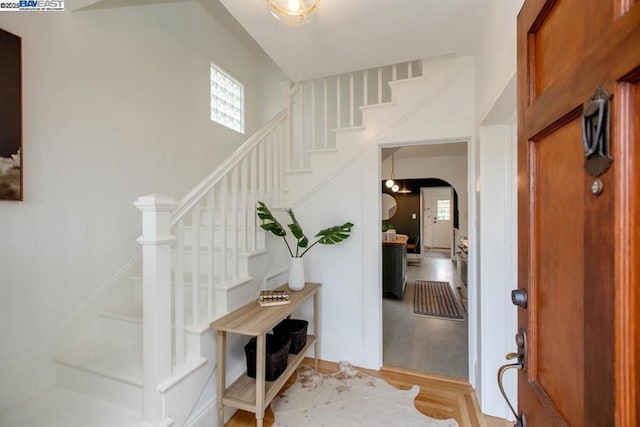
(519, 297)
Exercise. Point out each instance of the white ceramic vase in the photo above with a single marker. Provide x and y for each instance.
(296, 274)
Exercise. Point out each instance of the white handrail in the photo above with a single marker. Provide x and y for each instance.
(195, 195)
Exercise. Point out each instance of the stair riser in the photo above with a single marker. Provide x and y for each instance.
(203, 261)
(114, 391)
(241, 235)
(114, 328)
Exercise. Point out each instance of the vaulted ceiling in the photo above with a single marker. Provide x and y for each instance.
(349, 35)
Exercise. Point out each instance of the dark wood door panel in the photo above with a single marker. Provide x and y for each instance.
(557, 285)
(611, 57)
(578, 249)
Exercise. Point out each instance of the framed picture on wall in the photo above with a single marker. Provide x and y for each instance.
(10, 116)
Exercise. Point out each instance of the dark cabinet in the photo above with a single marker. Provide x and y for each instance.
(394, 268)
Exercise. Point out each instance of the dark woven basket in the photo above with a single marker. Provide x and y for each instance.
(276, 355)
(296, 329)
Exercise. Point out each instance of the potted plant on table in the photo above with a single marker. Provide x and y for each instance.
(328, 236)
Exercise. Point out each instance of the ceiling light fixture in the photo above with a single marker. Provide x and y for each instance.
(293, 12)
(404, 190)
(390, 183)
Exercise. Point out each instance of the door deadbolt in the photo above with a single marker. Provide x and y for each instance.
(519, 297)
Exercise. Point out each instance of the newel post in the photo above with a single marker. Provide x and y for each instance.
(156, 242)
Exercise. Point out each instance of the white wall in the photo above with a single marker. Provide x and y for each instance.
(116, 105)
(494, 265)
(436, 110)
(498, 225)
(496, 54)
(451, 168)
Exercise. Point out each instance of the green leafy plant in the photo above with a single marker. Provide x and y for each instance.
(388, 227)
(328, 236)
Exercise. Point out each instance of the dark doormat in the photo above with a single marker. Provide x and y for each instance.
(436, 299)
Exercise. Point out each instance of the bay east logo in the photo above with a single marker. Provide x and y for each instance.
(42, 4)
(31, 5)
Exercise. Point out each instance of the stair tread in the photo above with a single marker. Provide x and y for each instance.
(60, 407)
(113, 358)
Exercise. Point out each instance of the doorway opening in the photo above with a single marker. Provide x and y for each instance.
(424, 316)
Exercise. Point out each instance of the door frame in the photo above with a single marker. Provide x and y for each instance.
(373, 318)
(481, 372)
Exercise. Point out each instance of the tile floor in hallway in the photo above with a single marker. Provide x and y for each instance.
(436, 346)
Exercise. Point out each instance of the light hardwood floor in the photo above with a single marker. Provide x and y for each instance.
(439, 397)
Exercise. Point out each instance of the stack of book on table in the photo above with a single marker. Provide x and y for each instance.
(271, 298)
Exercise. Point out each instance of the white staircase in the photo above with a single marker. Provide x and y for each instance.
(150, 351)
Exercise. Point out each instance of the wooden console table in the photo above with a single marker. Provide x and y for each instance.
(250, 394)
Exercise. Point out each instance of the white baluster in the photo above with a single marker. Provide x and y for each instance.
(195, 252)
(313, 115)
(211, 253)
(394, 73)
(289, 142)
(234, 223)
(179, 295)
(244, 195)
(365, 87)
(302, 126)
(338, 103)
(410, 70)
(379, 85)
(223, 230)
(268, 168)
(275, 155)
(254, 198)
(156, 243)
(283, 164)
(351, 100)
(326, 113)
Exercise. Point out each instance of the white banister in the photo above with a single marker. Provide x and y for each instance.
(207, 184)
(156, 243)
(394, 73)
(410, 70)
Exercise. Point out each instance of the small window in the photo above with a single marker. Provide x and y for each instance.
(227, 99)
(444, 210)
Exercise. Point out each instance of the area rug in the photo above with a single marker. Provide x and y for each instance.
(436, 299)
(348, 398)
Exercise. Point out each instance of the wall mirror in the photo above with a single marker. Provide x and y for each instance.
(389, 206)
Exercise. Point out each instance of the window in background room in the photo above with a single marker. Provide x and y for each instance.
(227, 99)
(444, 210)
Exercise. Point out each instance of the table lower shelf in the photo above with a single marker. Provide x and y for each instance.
(242, 393)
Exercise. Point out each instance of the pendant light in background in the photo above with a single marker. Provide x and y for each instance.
(390, 182)
(404, 190)
(293, 12)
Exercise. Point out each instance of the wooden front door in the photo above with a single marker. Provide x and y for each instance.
(578, 233)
